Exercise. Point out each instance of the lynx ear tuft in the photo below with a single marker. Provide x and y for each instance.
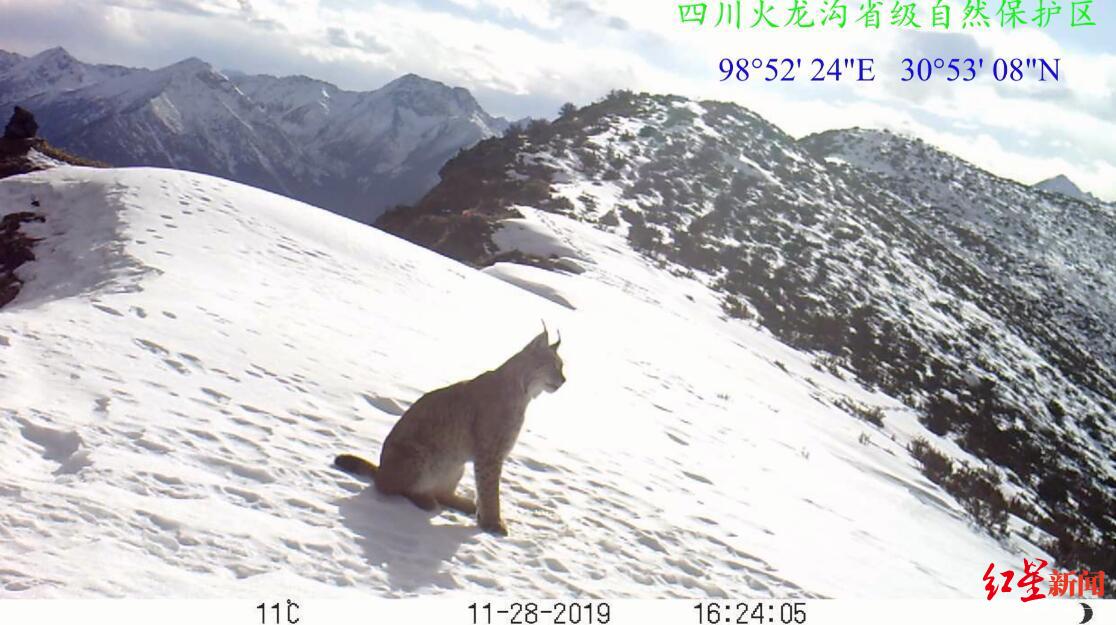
(541, 340)
(558, 342)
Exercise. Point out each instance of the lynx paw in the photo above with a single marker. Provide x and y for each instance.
(494, 527)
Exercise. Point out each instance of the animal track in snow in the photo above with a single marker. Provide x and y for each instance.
(61, 446)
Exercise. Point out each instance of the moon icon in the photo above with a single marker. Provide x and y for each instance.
(1088, 613)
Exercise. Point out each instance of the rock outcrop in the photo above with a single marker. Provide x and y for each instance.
(21, 126)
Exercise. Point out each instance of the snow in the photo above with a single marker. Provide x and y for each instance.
(530, 279)
(41, 160)
(188, 354)
(531, 237)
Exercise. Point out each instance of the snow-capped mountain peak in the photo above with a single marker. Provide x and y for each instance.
(57, 57)
(410, 80)
(191, 65)
(51, 71)
(1063, 185)
(195, 80)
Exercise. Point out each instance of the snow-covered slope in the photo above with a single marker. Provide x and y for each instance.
(188, 354)
(354, 153)
(1057, 251)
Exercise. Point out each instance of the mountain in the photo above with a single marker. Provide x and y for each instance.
(353, 153)
(49, 72)
(8, 59)
(983, 305)
(185, 115)
(386, 144)
(188, 353)
(1063, 185)
(1056, 252)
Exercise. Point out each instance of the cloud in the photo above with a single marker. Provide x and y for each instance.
(577, 12)
(361, 41)
(184, 7)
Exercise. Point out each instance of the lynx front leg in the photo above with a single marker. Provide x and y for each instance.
(488, 495)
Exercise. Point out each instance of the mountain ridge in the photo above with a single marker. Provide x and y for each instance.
(355, 153)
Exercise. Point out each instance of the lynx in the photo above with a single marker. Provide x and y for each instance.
(475, 421)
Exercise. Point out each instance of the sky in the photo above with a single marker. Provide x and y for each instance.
(527, 57)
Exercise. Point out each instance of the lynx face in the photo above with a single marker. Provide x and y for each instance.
(552, 369)
(546, 364)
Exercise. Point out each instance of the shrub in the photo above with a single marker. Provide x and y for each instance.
(871, 414)
(735, 308)
(977, 490)
(935, 465)
(610, 219)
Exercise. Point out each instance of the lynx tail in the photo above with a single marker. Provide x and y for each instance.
(355, 466)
